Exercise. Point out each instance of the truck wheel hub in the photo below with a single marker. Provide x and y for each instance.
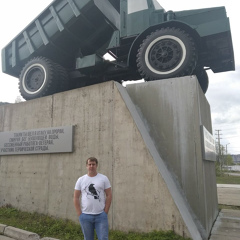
(165, 55)
(35, 79)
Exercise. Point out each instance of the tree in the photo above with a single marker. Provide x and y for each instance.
(3, 103)
(229, 160)
(18, 99)
(223, 159)
(220, 156)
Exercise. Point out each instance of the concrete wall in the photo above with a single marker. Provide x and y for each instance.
(108, 126)
(173, 111)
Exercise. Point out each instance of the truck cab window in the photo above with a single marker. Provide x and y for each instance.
(156, 4)
(116, 5)
(133, 7)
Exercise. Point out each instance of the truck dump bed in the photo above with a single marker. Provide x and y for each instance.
(64, 30)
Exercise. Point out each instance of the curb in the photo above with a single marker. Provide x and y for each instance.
(228, 185)
(20, 234)
(2, 228)
(47, 238)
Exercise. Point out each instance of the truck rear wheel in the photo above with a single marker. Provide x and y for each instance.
(37, 78)
(63, 83)
(167, 53)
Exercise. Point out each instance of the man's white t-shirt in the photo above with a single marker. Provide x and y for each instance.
(92, 191)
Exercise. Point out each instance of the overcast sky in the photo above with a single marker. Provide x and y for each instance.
(223, 93)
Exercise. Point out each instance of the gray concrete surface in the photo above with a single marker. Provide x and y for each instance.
(227, 226)
(173, 111)
(8, 232)
(11, 233)
(2, 237)
(106, 127)
(229, 194)
(2, 228)
(20, 234)
(233, 174)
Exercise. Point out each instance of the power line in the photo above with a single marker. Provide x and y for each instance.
(221, 147)
(234, 141)
(232, 137)
(230, 127)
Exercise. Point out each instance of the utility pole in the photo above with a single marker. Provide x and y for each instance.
(219, 145)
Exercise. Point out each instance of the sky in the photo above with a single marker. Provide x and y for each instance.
(223, 92)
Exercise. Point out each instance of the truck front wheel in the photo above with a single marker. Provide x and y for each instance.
(37, 78)
(202, 77)
(167, 53)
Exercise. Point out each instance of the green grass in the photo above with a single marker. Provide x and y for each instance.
(46, 226)
(228, 179)
(221, 206)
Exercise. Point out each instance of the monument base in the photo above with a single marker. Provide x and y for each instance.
(147, 139)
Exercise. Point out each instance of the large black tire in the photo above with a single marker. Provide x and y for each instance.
(38, 78)
(63, 83)
(167, 53)
(202, 77)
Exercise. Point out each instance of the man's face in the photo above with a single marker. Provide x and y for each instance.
(91, 167)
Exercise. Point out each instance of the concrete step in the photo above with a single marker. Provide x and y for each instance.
(5, 238)
(11, 233)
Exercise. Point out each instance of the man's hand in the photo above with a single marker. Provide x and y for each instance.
(76, 202)
(108, 199)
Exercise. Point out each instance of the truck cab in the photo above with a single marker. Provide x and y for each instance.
(135, 18)
(190, 33)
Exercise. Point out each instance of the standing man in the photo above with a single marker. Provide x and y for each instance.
(96, 198)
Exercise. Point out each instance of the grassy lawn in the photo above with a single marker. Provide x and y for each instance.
(228, 179)
(46, 226)
(221, 206)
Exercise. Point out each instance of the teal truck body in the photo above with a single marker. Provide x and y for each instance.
(65, 46)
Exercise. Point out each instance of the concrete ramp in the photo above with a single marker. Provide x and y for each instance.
(170, 181)
(172, 112)
(157, 183)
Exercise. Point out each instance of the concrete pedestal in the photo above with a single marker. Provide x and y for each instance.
(147, 140)
(173, 111)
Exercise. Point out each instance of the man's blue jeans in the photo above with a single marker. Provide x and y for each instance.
(98, 222)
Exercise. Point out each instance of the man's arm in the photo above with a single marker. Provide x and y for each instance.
(76, 202)
(108, 199)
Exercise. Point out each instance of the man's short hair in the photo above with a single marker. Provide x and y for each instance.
(92, 159)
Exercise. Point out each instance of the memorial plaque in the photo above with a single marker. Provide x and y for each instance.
(35, 141)
(208, 145)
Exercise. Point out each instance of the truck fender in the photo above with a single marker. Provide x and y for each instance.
(131, 62)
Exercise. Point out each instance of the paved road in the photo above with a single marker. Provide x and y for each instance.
(233, 174)
(229, 194)
(227, 225)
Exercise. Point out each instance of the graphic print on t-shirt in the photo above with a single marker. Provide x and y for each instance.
(91, 190)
